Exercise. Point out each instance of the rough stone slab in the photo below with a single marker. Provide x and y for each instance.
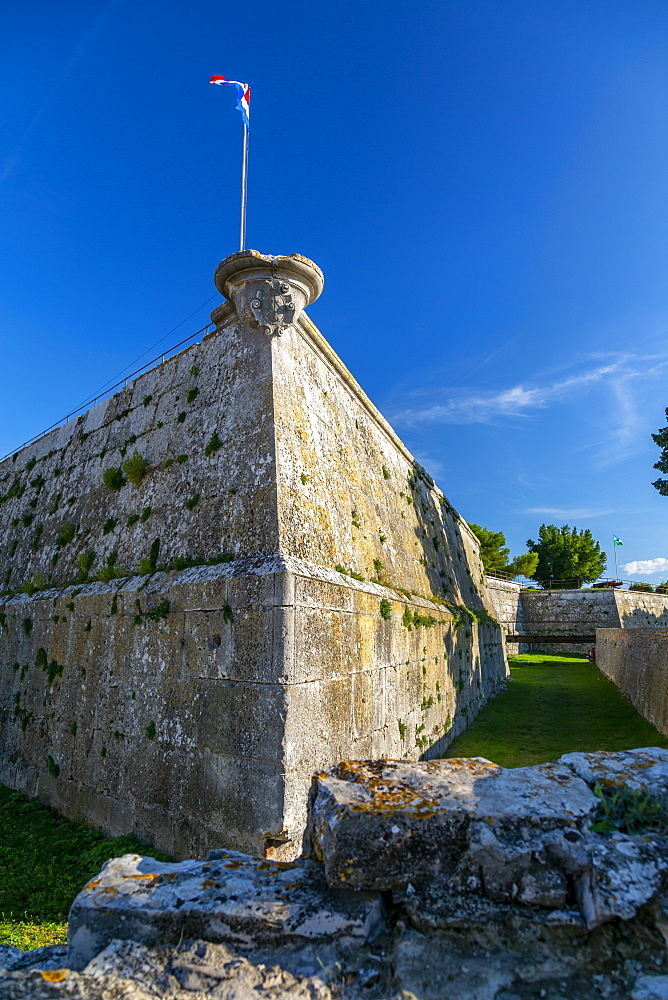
(519, 836)
(625, 873)
(437, 907)
(643, 770)
(51, 956)
(383, 824)
(9, 956)
(126, 970)
(232, 897)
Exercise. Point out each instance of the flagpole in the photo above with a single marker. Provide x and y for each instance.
(244, 190)
(243, 105)
(614, 549)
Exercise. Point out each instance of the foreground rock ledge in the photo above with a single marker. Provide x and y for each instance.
(231, 897)
(511, 835)
(494, 887)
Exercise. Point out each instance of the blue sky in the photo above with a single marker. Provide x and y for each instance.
(485, 185)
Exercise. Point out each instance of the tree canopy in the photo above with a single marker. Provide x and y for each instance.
(566, 554)
(495, 555)
(661, 439)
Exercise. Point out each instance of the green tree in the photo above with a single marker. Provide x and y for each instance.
(661, 439)
(494, 554)
(568, 555)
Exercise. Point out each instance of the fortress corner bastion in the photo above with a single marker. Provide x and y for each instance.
(226, 577)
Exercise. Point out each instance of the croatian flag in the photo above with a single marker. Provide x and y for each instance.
(243, 96)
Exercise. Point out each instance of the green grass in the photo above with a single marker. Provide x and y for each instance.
(45, 860)
(27, 934)
(554, 705)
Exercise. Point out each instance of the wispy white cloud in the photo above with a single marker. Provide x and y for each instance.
(465, 407)
(569, 512)
(647, 567)
(462, 406)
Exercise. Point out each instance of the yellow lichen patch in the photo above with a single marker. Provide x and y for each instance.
(109, 890)
(390, 800)
(93, 884)
(208, 883)
(473, 765)
(269, 867)
(274, 867)
(54, 975)
(151, 876)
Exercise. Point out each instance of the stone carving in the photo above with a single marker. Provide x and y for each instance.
(270, 305)
(269, 293)
(273, 307)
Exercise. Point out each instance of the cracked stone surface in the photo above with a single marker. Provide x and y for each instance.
(511, 835)
(232, 897)
(125, 970)
(383, 824)
(643, 770)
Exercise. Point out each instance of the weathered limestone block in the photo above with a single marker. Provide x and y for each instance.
(624, 872)
(384, 824)
(238, 928)
(643, 770)
(231, 897)
(126, 970)
(522, 835)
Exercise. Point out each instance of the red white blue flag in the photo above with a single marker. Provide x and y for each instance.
(243, 96)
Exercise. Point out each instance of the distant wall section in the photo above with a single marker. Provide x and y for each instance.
(636, 659)
(508, 609)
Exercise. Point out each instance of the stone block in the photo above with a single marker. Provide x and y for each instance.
(380, 825)
(644, 770)
(522, 836)
(230, 898)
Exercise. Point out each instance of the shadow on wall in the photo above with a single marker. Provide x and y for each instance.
(441, 539)
(445, 546)
(639, 618)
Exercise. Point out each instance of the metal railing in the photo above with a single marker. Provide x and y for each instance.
(574, 583)
(93, 400)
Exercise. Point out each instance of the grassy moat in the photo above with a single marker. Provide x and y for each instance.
(553, 705)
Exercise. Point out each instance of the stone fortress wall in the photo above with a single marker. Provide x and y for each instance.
(344, 611)
(575, 611)
(508, 610)
(572, 612)
(636, 659)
